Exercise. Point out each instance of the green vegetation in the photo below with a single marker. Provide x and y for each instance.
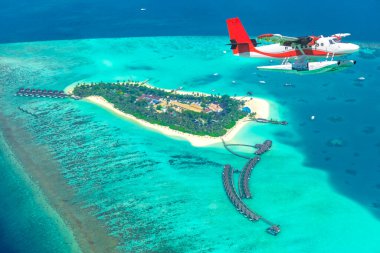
(194, 114)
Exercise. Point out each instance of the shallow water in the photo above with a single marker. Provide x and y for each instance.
(26, 217)
(319, 181)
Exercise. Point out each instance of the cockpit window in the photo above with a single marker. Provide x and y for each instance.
(331, 42)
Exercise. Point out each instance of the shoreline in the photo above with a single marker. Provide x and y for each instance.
(258, 105)
(87, 234)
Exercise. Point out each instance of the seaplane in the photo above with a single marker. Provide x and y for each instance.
(298, 54)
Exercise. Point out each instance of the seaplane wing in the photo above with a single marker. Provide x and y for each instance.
(341, 35)
(276, 38)
(288, 41)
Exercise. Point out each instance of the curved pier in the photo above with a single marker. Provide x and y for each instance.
(234, 198)
(242, 145)
(262, 148)
(243, 183)
(245, 175)
(233, 152)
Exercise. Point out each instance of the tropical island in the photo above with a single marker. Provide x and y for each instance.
(200, 118)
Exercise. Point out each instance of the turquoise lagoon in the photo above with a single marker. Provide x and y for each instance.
(159, 194)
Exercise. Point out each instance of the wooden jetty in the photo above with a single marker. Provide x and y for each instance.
(243, 183)
(270, 121)
(233, 152)
(234, 198)
(262, 148)
(245, 176)
(38, 93)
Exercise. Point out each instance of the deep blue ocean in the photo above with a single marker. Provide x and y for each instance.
(26, 20)
(353, 171)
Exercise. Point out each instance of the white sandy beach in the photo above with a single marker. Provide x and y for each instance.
(260, 106)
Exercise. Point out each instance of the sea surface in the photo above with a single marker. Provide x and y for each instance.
(74, 167)
(30, 20)
(320, 181)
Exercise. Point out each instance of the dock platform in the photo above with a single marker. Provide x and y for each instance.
(271, 121)
(262, 148)
(39, 93)
(243, 183)
(244, 177)
(234, 198)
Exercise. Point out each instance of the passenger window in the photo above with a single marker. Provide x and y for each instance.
(286, 48)
(321, 44)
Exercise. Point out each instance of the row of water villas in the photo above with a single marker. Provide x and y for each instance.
(41, 93)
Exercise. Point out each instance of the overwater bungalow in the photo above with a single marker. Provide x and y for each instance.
(273, 230)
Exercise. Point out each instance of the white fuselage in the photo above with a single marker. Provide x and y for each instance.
(324, 46)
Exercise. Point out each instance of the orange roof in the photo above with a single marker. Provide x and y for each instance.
(215, 107)
(192, 107)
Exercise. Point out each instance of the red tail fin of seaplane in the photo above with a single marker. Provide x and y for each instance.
(240, 41)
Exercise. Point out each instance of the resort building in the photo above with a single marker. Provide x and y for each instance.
(215, 107)
(191, 107)
(148, 98)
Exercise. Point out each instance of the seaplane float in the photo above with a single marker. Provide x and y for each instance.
(301, 55)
